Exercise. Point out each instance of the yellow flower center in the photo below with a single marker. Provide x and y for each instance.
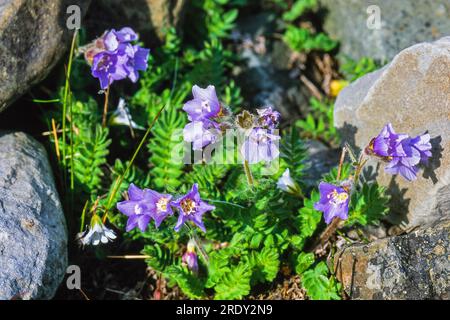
(338, 198)
(188, 206)
(161, 205)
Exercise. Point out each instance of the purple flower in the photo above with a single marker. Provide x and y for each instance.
(144, 205)
(112, 39)
(115, 58)
(402, 166)
(137, 61)
(205, 104)
(108, 67)
(159, 206)
(384, 144)
(333, 202)
(191, 208)
(268, 118)
(422, 144)
(403, 153)
(200, 133)
(190, 257)
(260, 145)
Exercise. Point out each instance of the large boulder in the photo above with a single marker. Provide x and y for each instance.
(33, 236)
(411, 266)
(413, 93)
(151, 18)
(33, 37)
(403, 23)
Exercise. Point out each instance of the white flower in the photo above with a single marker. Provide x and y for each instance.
(96, 234)
(122, 116)
(287, 184)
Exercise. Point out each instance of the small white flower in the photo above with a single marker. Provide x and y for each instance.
(287, 184)
(96, 234)
(122, 116)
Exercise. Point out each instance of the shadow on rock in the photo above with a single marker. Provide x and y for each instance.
(435, 160)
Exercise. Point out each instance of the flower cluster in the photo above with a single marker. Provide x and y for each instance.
(403, 153)
(113, 57)
(144, 205)
(209, 119)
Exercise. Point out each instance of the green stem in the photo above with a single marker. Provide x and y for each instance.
(66, 93)
(83, 216)
(119, 180)
(248, 173)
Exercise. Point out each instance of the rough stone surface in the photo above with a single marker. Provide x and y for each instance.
(33, 236)
(321, 159)
(411, 266)
(33, 37)
(148, 17)
(265, 78)
(413, 93)
(403, 23)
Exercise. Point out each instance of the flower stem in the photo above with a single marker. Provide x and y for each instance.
(105, 107)
(66, 94)
(120, 179)
(248, 173)
(341, 163)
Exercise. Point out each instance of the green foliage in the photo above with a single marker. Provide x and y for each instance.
(265, 264)
(369, 205)
(303, 40)
(356, 69)
(213, 18)
(308, 219)
(298, 8)
(167, 140)
(254, 230)
(319, 123)
(304, 261)
(89, 157)
(293, 153)
(318, 285)
(235, 284)
(191, 285)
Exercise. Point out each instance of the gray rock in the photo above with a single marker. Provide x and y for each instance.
(403, 23)
(151, 18)
(33, 236)
(413, 93)
(33, 37)
(321, 159)
(411, 266)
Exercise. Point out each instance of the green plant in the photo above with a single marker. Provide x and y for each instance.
(254, 229)
(319, 123)
(303, 40)
(354, 70)
(298, 8)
